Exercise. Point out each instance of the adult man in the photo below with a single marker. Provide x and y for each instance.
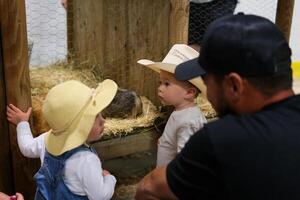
(253, 151)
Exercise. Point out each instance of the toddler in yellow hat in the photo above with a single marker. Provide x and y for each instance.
(187, 117)
(70, 168)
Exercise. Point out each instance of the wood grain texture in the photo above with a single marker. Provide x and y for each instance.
(127, 145)
(114, 34)
(17, 86)
(179, 22)
(284, 16)
(6, 173)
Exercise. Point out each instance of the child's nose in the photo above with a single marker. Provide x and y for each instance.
(159, 89)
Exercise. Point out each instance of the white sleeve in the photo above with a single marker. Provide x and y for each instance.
(183, 135)
(30, 147)
(95, 185)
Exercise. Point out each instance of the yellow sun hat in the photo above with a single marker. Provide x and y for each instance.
(178, 54)
(70, 109)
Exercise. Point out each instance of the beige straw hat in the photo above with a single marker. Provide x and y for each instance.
(70, 109)
(178, 54)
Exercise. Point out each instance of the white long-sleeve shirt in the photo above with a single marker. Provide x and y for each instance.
(180, 127)
(83, 170)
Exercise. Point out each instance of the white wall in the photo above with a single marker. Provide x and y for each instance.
(295, 32)
(267, 8)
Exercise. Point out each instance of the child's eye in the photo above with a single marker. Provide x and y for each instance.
(166, 83)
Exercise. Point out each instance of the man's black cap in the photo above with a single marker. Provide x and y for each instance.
(249, 45)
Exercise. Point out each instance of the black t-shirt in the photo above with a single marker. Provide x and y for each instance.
(253, 157)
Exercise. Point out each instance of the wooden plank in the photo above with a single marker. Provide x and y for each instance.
(115, 21)
(17, 86)
(70, 22)
(6, 174)
(116, 33)
(284, 16)
(126, 145)
(148, 37)
(179, 22)
(87, 30)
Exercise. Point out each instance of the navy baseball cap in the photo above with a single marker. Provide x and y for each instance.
(249, 45)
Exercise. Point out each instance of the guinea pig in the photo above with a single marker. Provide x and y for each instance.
(126, 104)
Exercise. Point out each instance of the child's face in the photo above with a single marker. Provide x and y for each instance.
(97, 129)
(171, 91)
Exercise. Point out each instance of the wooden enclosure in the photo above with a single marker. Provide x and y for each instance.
(16, 171)
(114, 34)
(284, 16)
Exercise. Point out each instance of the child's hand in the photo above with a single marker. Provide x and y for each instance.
(64, 3)
(18, 196)
(15, 115)
(4, 196)
(105, 172)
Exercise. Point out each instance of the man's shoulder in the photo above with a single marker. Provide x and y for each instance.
(232, 129)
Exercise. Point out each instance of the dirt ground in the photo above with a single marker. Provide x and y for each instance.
(129, 170)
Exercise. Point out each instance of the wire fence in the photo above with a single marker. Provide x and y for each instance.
(46, 31)
(201, 14)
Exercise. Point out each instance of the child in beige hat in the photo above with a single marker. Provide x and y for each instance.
(70, 168)
(187, 118)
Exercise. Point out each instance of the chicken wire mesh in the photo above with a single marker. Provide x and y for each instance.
(46, 31)
(201, 14)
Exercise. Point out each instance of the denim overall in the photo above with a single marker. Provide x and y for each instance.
(49, 179)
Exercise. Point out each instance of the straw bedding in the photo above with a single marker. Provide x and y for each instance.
(43, 79)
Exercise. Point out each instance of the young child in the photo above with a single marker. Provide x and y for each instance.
(187, 118)
(70, 168)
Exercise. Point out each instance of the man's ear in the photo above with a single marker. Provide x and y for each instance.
(234, 86)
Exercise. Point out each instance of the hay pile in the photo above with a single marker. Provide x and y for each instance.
(43, 79)
(206, 107)
(126, 126)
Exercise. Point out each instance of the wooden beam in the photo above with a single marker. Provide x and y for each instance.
(284, 16)
(17, 86)
(179, 22)
(70, 22)
(6, 174)
(126, 145)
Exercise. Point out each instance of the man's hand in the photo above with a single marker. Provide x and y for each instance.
(15, 115)
(154, 186)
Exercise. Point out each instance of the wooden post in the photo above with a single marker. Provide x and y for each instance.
(114, 34)
(16, 82)
(70, 22)
(179, 22)
(284, 16)
(6, 174)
